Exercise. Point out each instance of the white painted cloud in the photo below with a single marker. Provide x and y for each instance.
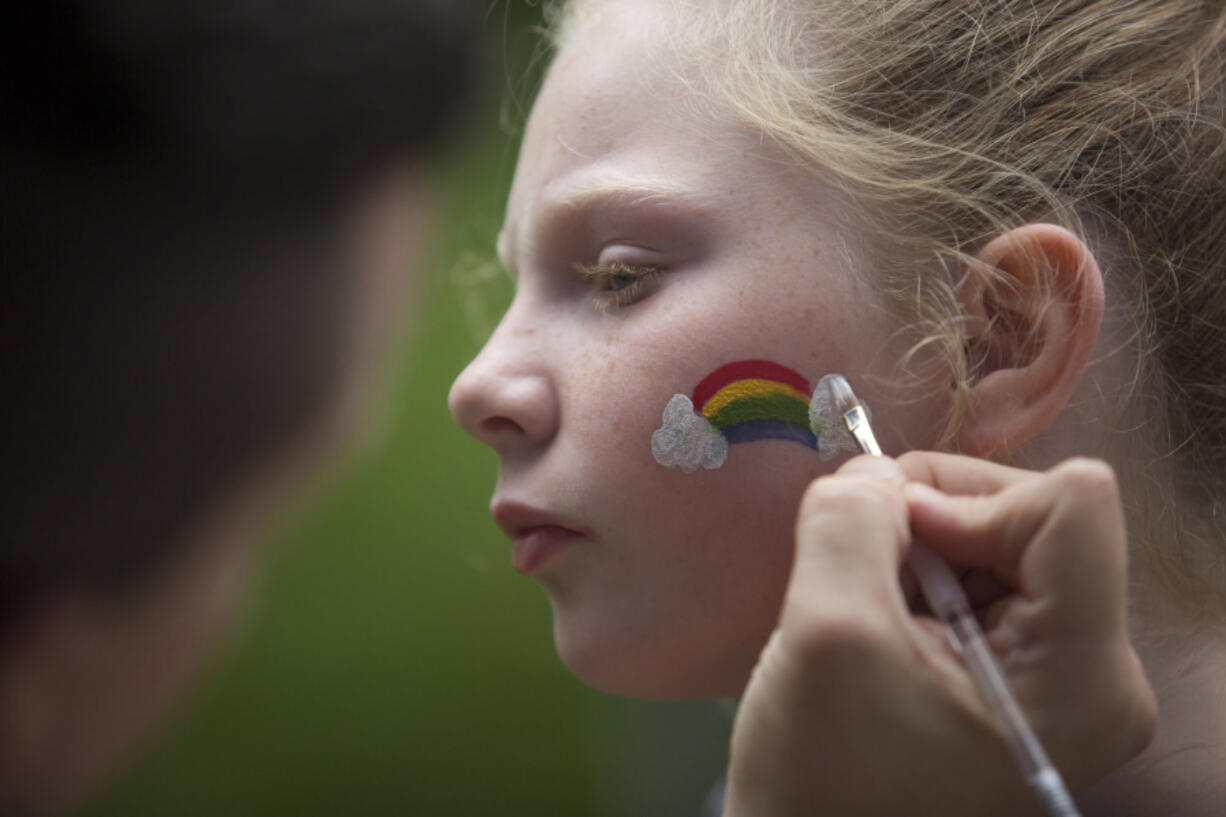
(686, 440)
(828, 425)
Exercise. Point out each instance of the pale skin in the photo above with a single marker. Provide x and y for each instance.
(753, 266)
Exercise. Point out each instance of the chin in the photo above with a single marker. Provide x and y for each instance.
(631, 667)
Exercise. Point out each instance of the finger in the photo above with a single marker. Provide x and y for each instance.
(1059, 537)
(970, 531)
(955, 474)
(851, 532)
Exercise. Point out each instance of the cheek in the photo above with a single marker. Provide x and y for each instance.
(704, 561)
(708, 553)
(751, 498)
(735, 522)
(697, 562)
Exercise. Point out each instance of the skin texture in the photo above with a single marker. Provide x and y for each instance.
(675, 582)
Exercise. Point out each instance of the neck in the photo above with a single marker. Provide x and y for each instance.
(1183, 772)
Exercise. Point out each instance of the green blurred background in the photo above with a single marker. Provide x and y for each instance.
(389, 661)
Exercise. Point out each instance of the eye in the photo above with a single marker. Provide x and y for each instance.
(618, 284)
(617, 281)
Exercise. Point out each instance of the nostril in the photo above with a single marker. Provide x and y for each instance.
(500, 425)
(504, 409)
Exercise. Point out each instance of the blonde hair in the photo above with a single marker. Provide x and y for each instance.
(955, 122)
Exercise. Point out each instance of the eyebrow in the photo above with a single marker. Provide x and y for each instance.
(619, 192)
(637, 191)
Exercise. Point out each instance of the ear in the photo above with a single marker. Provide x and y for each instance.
(1033, 330)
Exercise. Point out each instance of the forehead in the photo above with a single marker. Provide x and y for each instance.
(613, 111)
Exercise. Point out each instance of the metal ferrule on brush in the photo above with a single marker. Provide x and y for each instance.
(858, 425)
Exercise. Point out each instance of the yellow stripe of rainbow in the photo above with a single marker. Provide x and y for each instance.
(750, 387)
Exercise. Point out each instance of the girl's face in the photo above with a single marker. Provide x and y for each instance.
(663, 583)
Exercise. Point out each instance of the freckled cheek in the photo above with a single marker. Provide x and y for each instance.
(620, 379)
(616, 430)
(762, 317)
(730, 528)
(612, 422)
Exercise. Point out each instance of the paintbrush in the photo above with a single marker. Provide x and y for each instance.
(949, 604)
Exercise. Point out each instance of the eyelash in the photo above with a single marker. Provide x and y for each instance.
(640, 279)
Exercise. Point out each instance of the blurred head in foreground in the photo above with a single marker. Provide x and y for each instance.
(208, 213)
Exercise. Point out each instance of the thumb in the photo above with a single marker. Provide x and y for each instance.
(851, 533)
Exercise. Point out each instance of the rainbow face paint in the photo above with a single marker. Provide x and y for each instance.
(743, 402)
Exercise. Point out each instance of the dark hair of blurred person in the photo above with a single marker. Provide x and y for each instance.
(207, 211)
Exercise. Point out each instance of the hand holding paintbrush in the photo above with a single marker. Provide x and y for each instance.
(882, 694)
(949, 605)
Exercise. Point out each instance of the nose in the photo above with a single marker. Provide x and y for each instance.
(506, 397)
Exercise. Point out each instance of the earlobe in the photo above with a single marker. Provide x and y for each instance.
(1033, 330)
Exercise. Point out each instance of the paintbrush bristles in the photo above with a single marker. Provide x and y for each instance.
(843, 397)
(854, 415)
(836, 409)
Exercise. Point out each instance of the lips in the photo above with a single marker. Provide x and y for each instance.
(536, 535)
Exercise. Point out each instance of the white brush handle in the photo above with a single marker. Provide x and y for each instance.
(948, 602)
